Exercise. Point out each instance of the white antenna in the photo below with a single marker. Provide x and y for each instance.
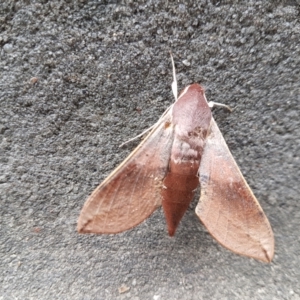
(174, 83)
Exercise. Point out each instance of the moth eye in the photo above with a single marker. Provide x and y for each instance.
(167, 124)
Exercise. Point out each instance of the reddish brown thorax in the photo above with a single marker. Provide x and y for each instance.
(191, 118)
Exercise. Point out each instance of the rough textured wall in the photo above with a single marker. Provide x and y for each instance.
(77, 78)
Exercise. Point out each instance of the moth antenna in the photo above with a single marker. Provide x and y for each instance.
(148, 129)
(175, 93)
(211, 104)
(174, 83)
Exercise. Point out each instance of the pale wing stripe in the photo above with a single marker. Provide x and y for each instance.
(111, 203)
(150, 159)
(133, 191)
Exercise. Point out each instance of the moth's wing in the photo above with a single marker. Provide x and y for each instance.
(131, 192)
(227, 206)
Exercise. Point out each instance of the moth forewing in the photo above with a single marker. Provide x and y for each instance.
(131, 192)
(227, 206)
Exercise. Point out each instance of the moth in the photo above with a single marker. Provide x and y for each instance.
(184, 148)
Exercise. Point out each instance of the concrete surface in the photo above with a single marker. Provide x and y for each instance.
(80, 77)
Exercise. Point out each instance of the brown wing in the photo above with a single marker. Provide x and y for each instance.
(132, 192)
(227, 206)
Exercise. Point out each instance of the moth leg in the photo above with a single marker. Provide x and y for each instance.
(211, 104)
(137, 136)
(148, 129)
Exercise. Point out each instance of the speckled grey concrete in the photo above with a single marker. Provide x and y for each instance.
(104, 75)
